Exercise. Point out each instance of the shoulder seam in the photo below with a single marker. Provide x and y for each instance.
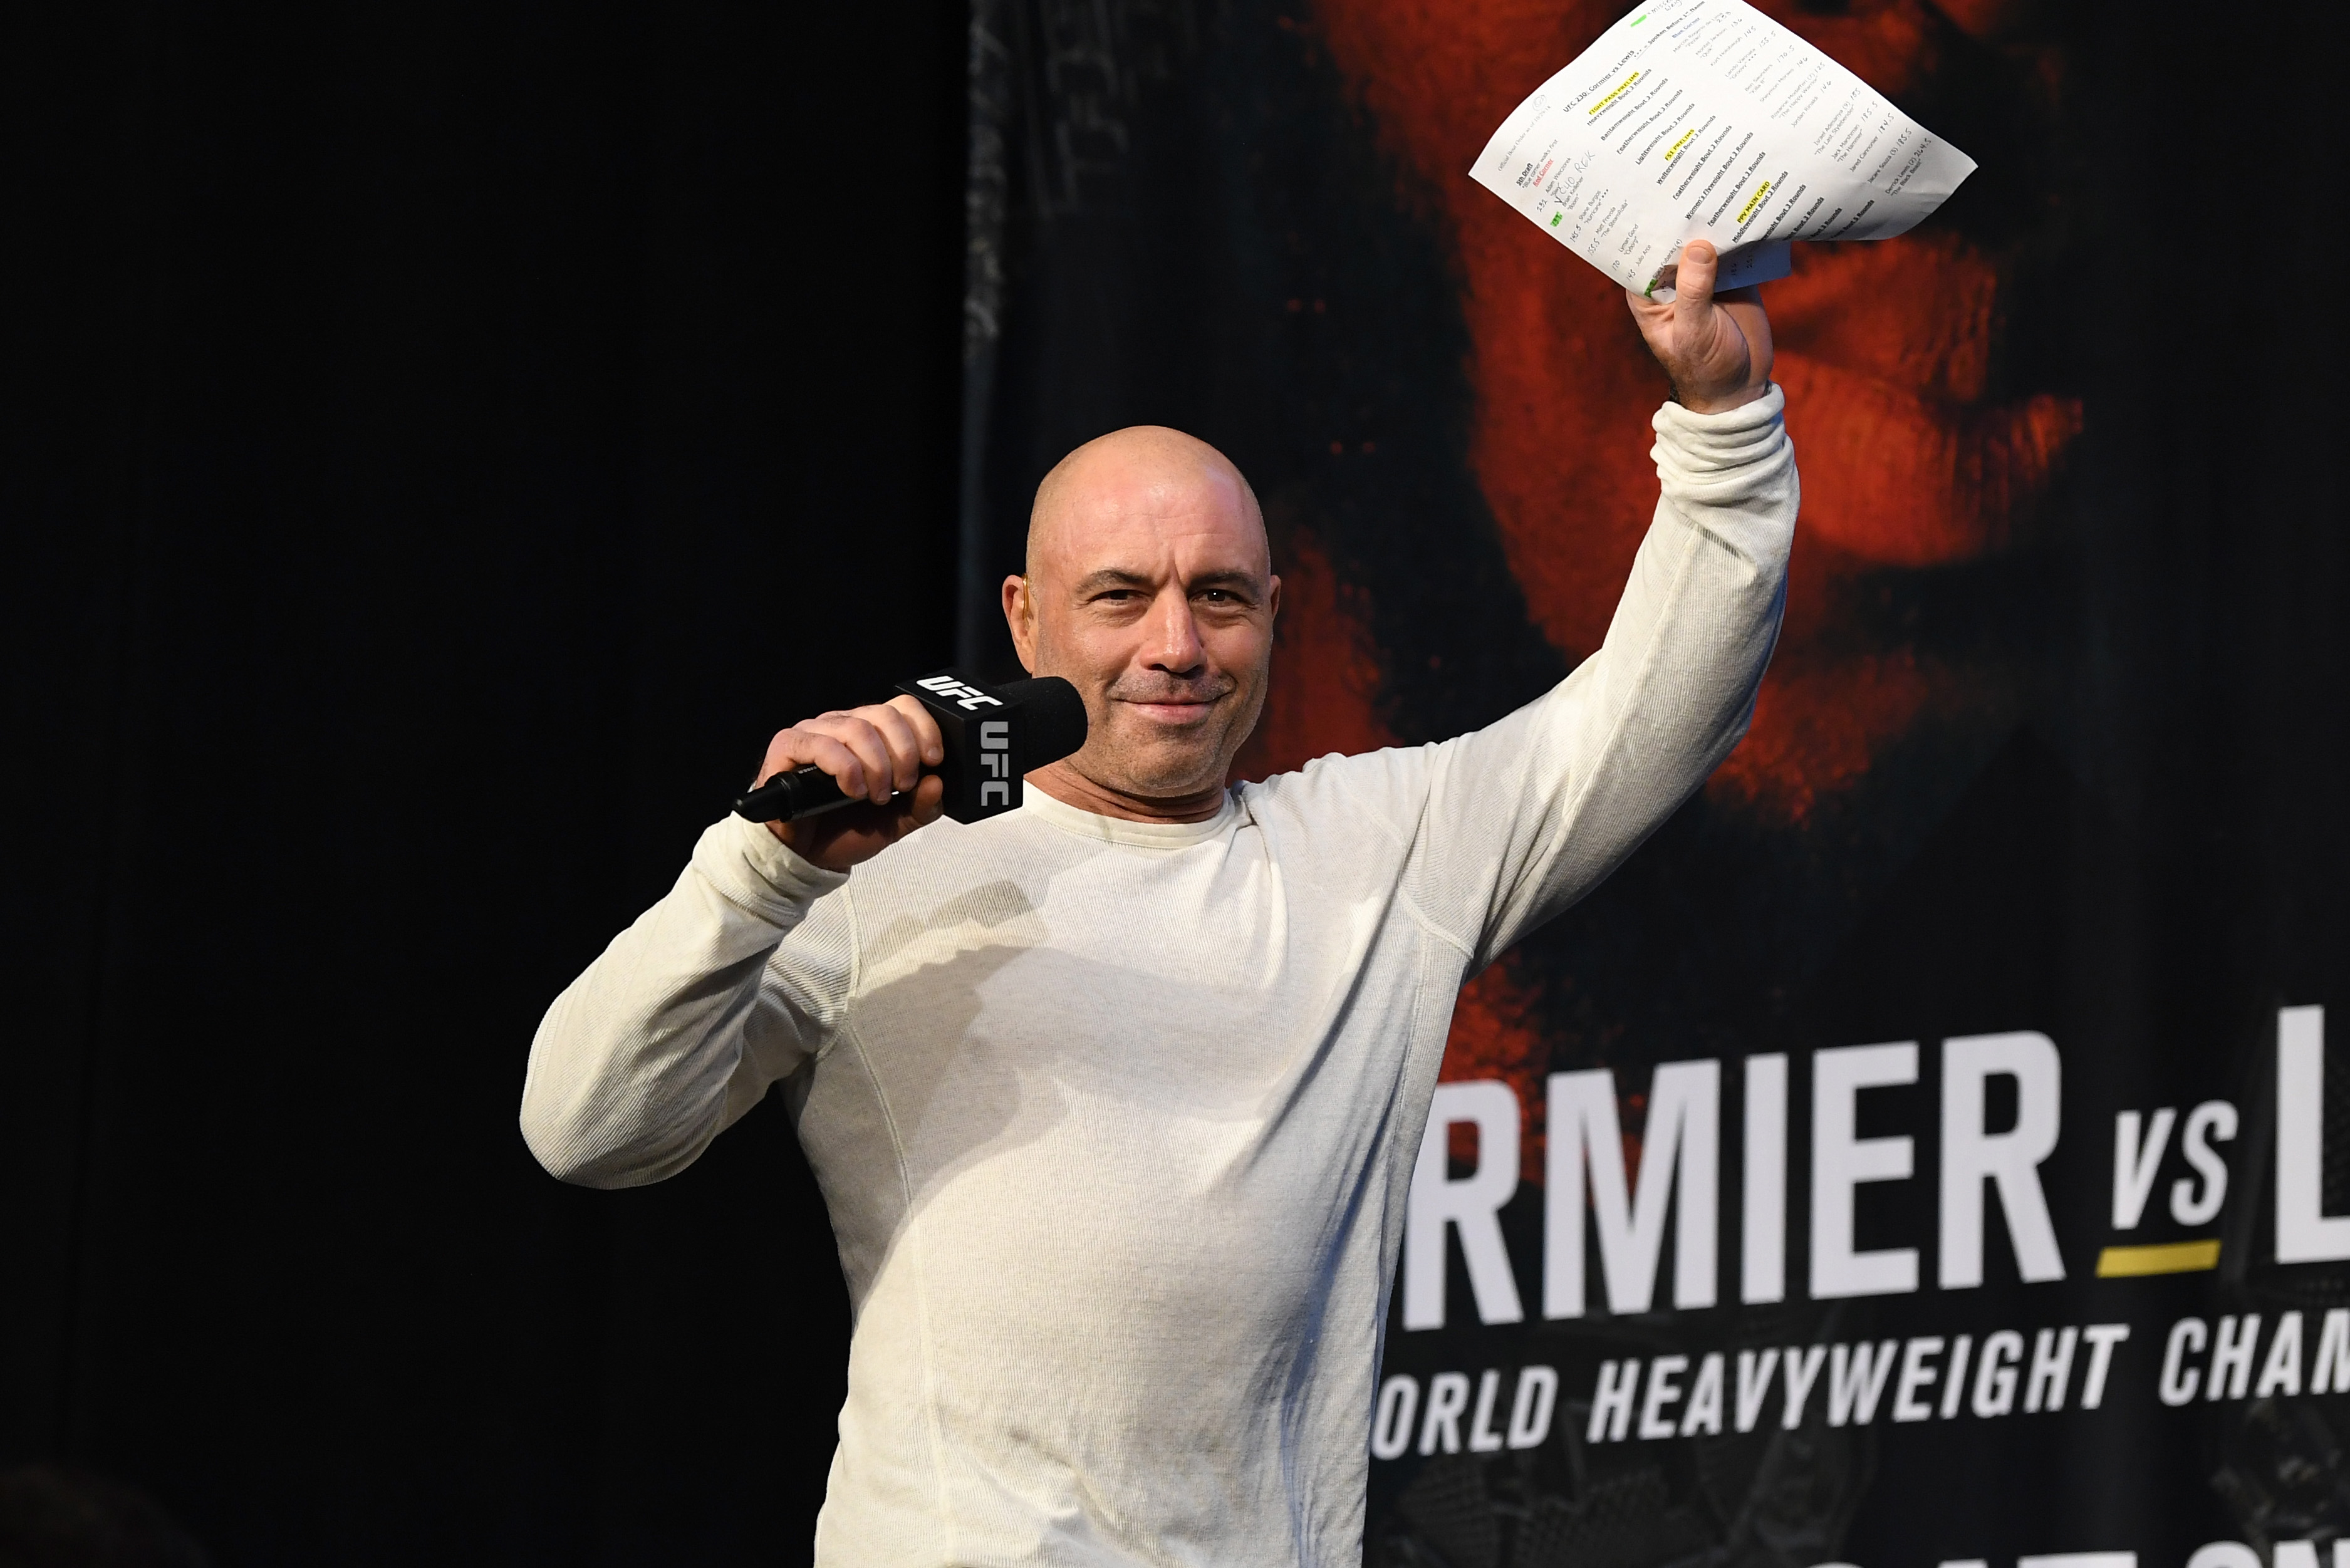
(1419, 917)
(855, 974)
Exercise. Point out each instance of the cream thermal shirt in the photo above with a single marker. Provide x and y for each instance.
(1116, 1121)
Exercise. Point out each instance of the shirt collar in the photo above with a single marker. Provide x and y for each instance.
(1117, 830)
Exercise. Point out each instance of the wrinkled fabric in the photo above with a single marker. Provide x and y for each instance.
(1116, 1121)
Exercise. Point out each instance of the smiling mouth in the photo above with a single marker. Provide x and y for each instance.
(1171, 710)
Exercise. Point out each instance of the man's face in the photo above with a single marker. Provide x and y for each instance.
(1150, 587)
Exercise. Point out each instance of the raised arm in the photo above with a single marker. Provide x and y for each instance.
(1532, 812)
(1513, 823)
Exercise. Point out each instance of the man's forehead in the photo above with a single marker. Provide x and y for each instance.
(1141, 547)
(1126, 501)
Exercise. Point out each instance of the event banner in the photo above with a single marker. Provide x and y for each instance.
(1933, 1146)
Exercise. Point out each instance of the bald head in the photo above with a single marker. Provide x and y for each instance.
(1149, 586)
(1142, 470)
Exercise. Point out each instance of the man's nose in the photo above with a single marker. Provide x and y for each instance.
(1174, 645)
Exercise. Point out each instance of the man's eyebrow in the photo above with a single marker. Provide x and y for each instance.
(1112, 577)
(1126, 577)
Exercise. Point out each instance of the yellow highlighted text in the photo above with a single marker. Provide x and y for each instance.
(1621, 89)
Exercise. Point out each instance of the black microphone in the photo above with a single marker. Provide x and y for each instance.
(993, 734)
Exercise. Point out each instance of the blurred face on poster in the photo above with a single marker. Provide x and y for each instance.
(1922, 449)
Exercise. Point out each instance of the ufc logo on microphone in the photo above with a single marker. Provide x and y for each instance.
(963, 696)
(995, 760)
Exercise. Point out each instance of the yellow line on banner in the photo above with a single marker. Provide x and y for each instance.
(2173, 1258)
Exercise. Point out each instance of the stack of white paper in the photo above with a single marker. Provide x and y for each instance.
(1706, 119)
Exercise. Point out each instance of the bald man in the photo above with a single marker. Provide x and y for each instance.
(1116, 1098)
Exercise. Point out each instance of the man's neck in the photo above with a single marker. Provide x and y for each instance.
(1070, 787)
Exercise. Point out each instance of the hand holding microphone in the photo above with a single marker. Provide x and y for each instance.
(845, 785)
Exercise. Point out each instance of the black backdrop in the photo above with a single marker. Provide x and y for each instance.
(441, 442)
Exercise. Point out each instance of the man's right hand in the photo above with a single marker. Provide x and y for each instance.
(875, 752)
(1715, 347)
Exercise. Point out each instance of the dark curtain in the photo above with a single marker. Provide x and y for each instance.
(439, 444)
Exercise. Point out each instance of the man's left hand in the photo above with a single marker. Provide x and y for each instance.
(1717, 348)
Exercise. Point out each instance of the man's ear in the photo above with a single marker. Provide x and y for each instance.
(1020, 614)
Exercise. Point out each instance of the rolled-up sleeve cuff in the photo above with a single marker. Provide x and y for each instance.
(760, 872)
(1731, 474)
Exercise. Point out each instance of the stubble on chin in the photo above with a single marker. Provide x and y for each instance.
(1158, 767)
(1144, 764)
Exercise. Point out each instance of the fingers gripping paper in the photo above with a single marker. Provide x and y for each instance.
(1706, 119)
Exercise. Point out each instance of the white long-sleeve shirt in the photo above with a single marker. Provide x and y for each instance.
(1116, 1121)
